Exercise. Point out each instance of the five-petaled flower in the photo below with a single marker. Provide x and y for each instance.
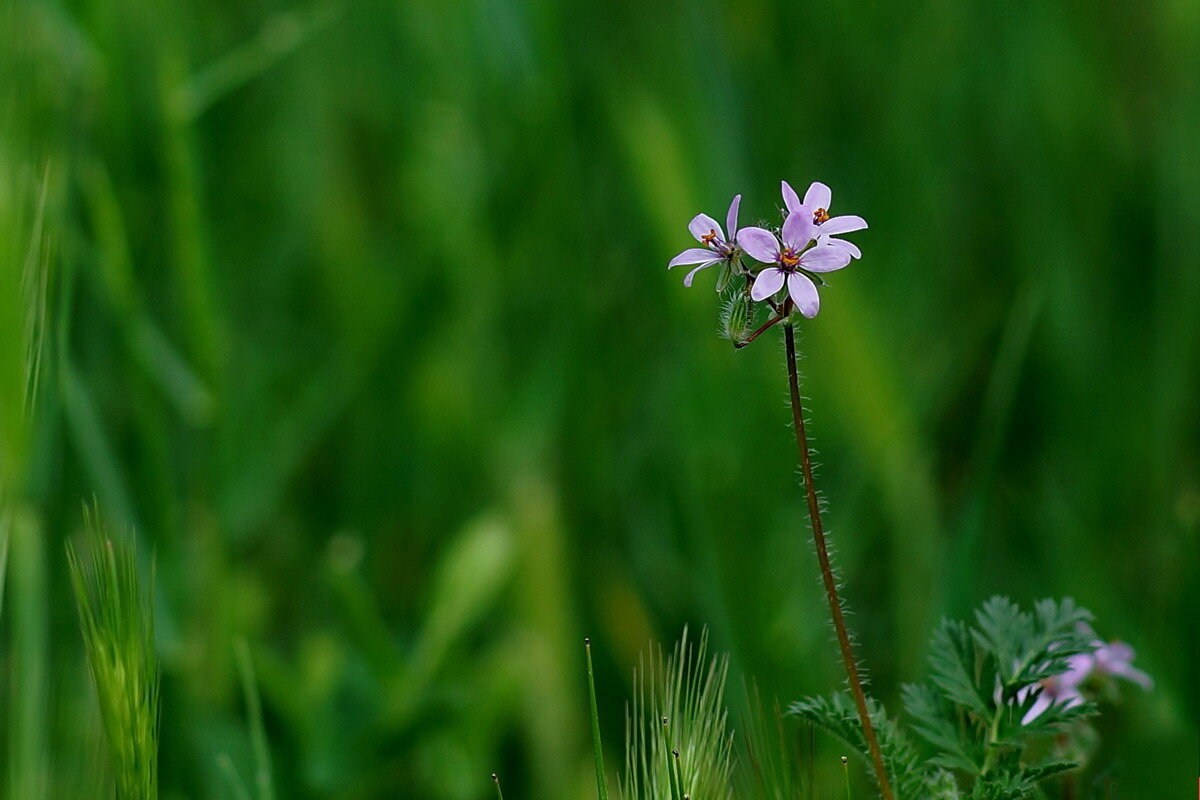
(717, 247)
(816, 204)
(789, 261)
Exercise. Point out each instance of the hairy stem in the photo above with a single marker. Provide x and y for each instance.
(831, 592)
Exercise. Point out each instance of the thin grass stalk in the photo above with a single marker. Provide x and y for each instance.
(597, 749)
(28, 710)
(263, 780)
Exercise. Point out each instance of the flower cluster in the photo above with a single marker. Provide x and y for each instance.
(793, 255)
(1108, 660)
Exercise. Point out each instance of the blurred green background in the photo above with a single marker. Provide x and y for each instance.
(358, 315)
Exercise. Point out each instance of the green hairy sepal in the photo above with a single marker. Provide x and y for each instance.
(984, 679)
(738, 316)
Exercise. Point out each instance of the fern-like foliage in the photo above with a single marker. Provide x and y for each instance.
(837, 715)
(974, 711)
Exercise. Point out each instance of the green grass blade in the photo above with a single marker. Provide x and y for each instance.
(4, 526)
(236, 784)
(597, 749)
(263, 781)
(28, 711)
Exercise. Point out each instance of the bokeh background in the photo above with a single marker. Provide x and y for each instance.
(358, 316)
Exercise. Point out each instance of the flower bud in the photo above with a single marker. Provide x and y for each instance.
(737, 317)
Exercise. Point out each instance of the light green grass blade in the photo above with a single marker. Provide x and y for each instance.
(679, 706)
(116, 616)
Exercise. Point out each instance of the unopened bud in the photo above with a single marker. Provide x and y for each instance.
(737, 317)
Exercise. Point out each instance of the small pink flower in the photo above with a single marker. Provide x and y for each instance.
(1113, 659)
(789, 261)
(717, 247)
(1061, 689)
(816, 203)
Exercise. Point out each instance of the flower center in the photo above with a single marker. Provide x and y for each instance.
(819, 216)
(789, 258)
(709, 238)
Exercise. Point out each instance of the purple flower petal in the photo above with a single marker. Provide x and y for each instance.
(818, 196)
(849, 247)
(798, 229)
(768, 282)
(1132, 673)
(791, 200)
(731, 217)
(1113, 655)
(1079, 667)
(693, 255)
(804, 294)
(702, 225)
(1116, 658)
(843, 224)
(1039, 706)
(824, 258)
(687, 279)
(760, 243)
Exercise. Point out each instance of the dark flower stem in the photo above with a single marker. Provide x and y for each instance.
(831, 592)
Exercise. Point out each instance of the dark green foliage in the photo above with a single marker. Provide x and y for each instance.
(983, 680)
